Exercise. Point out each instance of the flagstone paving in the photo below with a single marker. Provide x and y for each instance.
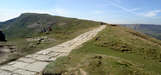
(33, 64)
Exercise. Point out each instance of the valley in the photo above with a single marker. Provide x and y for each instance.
(152, 30)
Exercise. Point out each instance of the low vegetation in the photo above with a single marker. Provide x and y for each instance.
(29, 38)
(114, 51)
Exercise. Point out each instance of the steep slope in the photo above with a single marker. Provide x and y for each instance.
(114, 51)
(149, 29)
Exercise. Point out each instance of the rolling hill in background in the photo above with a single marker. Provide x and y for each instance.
(149, 29)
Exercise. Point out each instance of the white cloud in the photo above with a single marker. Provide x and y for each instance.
(7, 14)
(61, 12)
(132, 11)
(117, 1)
(135, 9)
(152, 13)
(98, 12)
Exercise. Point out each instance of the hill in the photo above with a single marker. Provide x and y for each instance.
(32, 32)
(149, 29)
(116, 50)
(29, 24)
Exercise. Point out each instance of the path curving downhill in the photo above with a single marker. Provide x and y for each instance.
(33, 64)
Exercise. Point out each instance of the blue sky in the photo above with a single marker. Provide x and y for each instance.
(110, 11)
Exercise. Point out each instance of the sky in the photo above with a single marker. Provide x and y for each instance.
(110, 11)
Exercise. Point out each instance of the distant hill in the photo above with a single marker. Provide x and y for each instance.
(149, 29)
(29, 24)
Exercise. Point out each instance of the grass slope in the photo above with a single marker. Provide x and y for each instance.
(31, 24)
(63, 29)
(114, 51)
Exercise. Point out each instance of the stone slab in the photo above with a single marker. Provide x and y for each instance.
(4, 72)
(27, 60)
(33, 63)
(19, 64)
(24, 72)
(8, 68)
(36, 67)
(41, 57)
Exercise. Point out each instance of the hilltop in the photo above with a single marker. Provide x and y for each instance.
(116, 50)
(29, 24)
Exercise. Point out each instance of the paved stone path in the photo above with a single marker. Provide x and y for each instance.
(33, 64)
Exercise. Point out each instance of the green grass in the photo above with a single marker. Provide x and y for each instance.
(114, 51)
(60, 33)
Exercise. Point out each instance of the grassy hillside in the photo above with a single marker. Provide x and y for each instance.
(114, 51)
(29, 26)
(149, 29)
